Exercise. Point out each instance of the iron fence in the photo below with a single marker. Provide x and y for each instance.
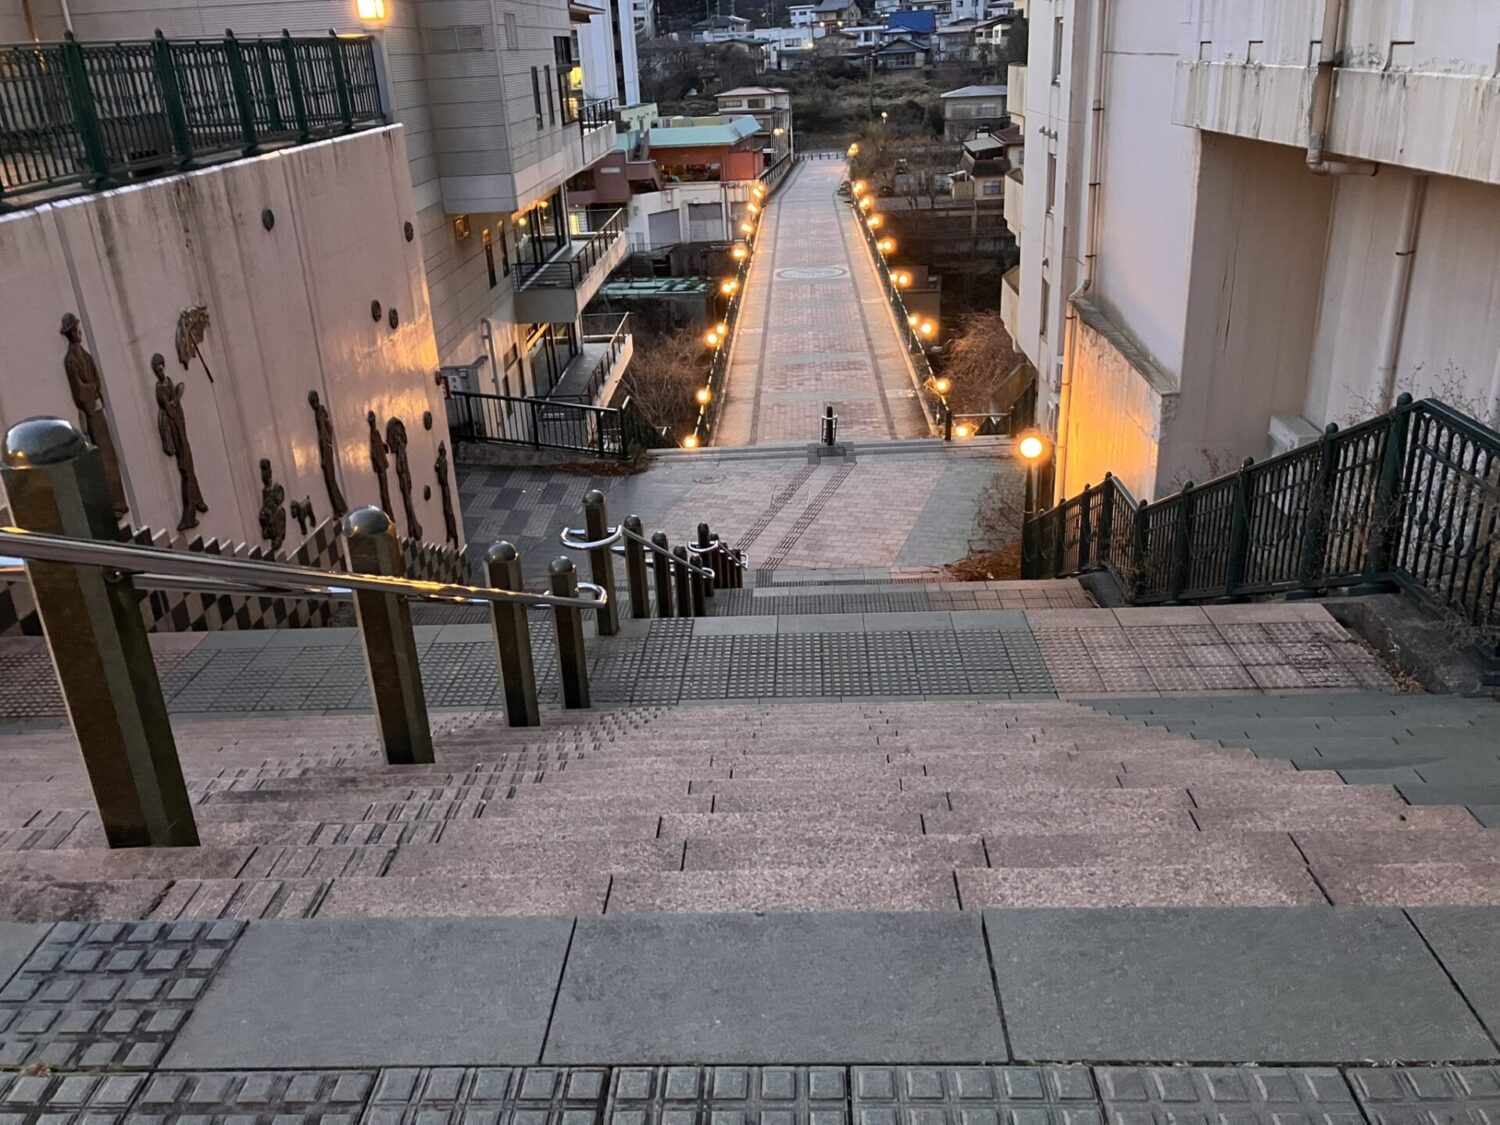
(589, 241)
(613, 331)
(93, 114)
(1410, 499)
(541, 423)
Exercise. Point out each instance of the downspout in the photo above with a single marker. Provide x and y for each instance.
(1393, 327)
(487, 334)
(1100, 36)
(1320, 112)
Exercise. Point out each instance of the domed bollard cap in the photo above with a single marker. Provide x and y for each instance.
(43, 440)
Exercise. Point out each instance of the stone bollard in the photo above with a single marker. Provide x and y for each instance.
(502, 565)
(635, 570)
(572, 660)
(662, 566)
(601, 560)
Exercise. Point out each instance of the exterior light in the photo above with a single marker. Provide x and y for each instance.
(903, 280)
(873, 222)
(747, 227)
(963, 431)
(912, 318)
(371, 11)
(884, 116)
(759, 190)
(778, 132)
(703, 396)
(723, 330)
(858, 187)
(886, 245)
(854, 150)
(690, 442)
(728, 286)
(753, 207)
(711, 338)
(739, 252)
(927, 328)
(942, 385)
(865, 203)
(1032, 447)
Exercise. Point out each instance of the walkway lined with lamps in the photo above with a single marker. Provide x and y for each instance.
(814, 329)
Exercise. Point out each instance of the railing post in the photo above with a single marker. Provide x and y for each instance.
(85, 112)
(97, 639)
(1106, 519)
(268, 87)
(502, 564)
(239, 81)
(698, 584)
(1085, 527)
(601, 560)
(1059, 539)
(662, 567)
(341, 81)
(371, 547)
(572, 661)
(1140, 535)
(171, 94)
(1237, 563)
(1315, 534)
(709, 558)
(294, 85)
(683, 580)
(635, 569)
(1385, 510)
(1182, 546)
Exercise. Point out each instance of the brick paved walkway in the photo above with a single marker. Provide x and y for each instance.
(815, 329)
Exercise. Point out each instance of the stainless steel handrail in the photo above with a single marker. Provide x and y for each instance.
(568, 537)
(738, 558)
(179, 569)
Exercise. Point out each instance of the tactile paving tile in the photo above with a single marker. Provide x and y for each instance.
(109, 994)
(1429, 1095)
(65, 1099)
(1226, 1096)
(541, 1095)
(727, 1095)
(974, 1095)
(330, 1097)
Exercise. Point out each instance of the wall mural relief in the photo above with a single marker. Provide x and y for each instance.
(380, 462)
(192, 327)
(172, 424)
(87, 387)
(445, 493)
(303, 513)
(395, 440)
(327, 454)
(272, 508)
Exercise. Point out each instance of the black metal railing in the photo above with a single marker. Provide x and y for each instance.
(93, 114)
(589, 241)
(544, 423)
(596, 114)
(612, 330)
(1410, 499)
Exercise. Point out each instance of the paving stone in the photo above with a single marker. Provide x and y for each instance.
(1220, 1096)
(759, 990)
(974, 1095)
(379, 992)
(488, 1096)
(1274, 985)
(329, 1097)
(727, 1095)
(17, 940)
(1467, 942)
(1467, 1095)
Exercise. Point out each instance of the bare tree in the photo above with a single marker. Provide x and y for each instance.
(664, 374)
(982, 362)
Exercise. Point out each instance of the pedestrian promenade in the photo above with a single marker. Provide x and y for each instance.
(815, 329)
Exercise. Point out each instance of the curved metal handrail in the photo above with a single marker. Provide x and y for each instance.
(570, 537)
(737, 558)
(160, 568)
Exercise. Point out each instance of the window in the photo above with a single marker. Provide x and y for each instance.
(757, 103)
(551, 103)
(512, 37)
(1046, 307)
(1051, 180)
(513, 367)
(536, 95)
(489, 256)
(504, 249)
(992, 187)
(1057, 50)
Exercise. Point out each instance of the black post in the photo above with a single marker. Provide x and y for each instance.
(709, 558)
(571, 658)
(1385, 512)
(85, 110)
(512, 638)
(1085, 527)
(294, 84)
(171, 95)
(635, 569)
(1238, 562)
(1315, 534)
(1140, 535)
(601, 560)
(1182, 546)
(661, 564)
(683, 581)
(341, 81)
(239, 81)
(1108, 491)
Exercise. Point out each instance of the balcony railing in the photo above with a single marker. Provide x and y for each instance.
(543, 423)
(95, 113)
(589, 243)
(613, 332)
(596, 114)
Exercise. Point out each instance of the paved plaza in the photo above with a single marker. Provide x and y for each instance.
(814, 328)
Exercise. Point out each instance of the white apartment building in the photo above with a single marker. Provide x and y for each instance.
(607, 51)
(492, 100)
(1241, 222)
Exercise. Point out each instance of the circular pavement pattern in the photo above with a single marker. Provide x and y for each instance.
(811, 273)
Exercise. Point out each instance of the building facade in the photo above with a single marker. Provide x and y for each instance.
(1241, 223)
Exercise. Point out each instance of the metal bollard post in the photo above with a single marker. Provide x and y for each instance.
(371, 547)
(601, 560)
(502, 564)
(830, 426)
(683, 581)
(572, 660)
(698, 584)
(97, 639)
(635, 570)
(708, 558)
(663, 568)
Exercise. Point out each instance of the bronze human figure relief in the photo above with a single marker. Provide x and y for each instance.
(87, 388)
(303, 514)
(380, 462)
(445, 494)
(272, 507)
(327, 454)
(395, 440)
(172, 424)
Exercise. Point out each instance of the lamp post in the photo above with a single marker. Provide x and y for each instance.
(1032, 449)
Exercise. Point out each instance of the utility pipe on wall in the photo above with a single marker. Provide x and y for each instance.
(1393, 326)
(1320, 113)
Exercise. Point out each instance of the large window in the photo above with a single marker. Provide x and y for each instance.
(536, 95)
(540, 232)
(1057, 50)
(549, 349)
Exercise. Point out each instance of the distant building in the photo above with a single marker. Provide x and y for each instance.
(609, 67)
(973, 109)
(914, 22)
(801, 15)
(903, 53)
(771, 106)
(836, 13)
(981, 171)
(780, 42)
(954, 42)
(719, 29)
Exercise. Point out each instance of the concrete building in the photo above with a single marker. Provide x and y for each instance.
(771, 106)
(784, 44)
(610, 67)
(496, 121)
(1211, 266)
(971, 110)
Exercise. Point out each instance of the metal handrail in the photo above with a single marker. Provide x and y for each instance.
(739, 558)
(568, 537)
(169, 569)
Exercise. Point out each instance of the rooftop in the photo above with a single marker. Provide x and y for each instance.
(751, 91)
(695, 131)
(977, 92)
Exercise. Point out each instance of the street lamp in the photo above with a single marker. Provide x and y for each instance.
(941, 385)
(747, 228)
(1032, 448)
(874, 222)
(886, 245)
(690, 442)
(854, 149)
(703, 396)
(927, 329)
(729, 286)
(739, 252)
(711, 338)
(857, 187)
(963, 431)
(866, 202)
(903, 280)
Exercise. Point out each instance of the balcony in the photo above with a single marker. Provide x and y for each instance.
(556, 291)
(1010, 303)
(596, 123)
(594, 373)
(1015, 93)
(1015, 198)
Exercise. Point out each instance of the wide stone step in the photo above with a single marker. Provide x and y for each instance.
(784, 888)
(1219, 882)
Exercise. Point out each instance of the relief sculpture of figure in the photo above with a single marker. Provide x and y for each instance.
(395, 440)
(88, 395)
(272, 510)
(450, 518)
(380, 463)
(172, 424)
(327, 454)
